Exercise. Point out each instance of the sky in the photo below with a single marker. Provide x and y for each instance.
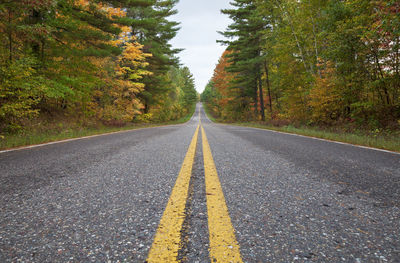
(200, 20)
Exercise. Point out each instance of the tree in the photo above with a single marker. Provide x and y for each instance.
(154, 31)
(320, 61)
(245, 34)
(189, 92)
(210, 97)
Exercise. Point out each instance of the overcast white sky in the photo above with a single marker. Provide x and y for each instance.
(200, 21)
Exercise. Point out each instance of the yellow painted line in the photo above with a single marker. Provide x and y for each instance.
(223, 244)
(167, 240)
(199, 116)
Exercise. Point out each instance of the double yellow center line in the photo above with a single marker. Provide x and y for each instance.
(167, 241)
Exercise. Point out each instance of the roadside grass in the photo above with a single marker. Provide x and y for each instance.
(380, 140)
(51, 134)
(209, 114)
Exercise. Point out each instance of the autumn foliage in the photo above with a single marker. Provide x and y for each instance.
(88, 60)
(218, 94)
(325, 63)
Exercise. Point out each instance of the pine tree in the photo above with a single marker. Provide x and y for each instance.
(188, 88)
(245, 42)
(154, 31)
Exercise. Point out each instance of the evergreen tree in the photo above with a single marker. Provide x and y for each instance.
(245, 41)
(188, 88)
(154, 31)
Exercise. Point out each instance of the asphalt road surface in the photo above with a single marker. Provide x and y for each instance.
(199, 192)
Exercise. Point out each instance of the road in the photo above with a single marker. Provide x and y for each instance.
(197, 191)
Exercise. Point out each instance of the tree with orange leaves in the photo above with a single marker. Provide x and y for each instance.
(221, 80)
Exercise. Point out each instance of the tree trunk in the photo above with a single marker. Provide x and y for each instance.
(260, 90)
(316, 46)
(268, 87)
(255, 97)
(10, 35)
(378, 65)
(311, 70)
(146, 107)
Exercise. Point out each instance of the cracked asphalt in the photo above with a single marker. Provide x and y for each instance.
(290, 198)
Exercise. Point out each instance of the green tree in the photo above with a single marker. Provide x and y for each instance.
(154, 30)
(247, 59)
(188, 88)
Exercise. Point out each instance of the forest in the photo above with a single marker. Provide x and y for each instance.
(90, 62)
(323, 63)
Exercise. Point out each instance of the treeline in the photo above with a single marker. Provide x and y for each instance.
(109, 61)
(309, 62)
